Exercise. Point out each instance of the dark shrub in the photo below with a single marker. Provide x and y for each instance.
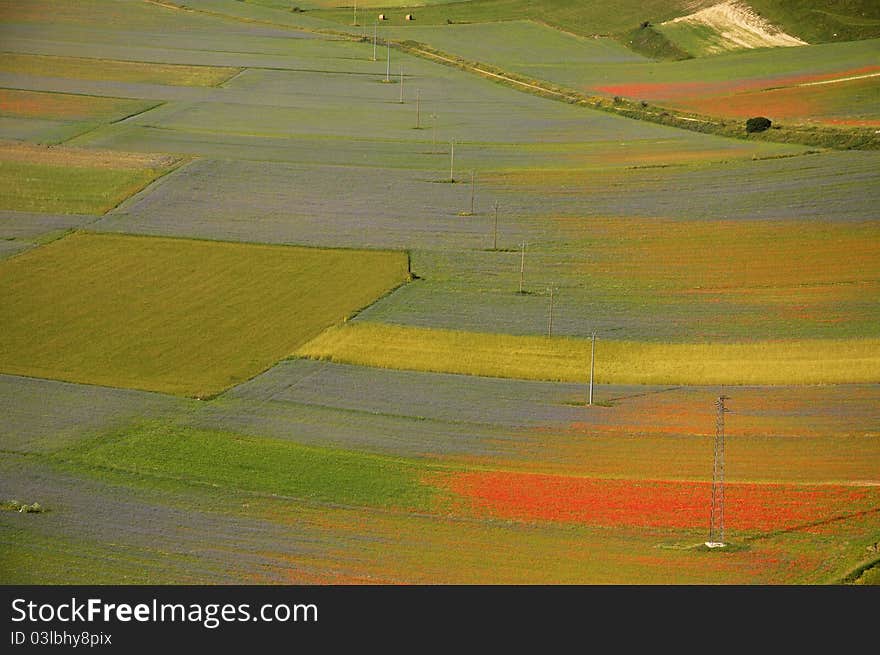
(758, 124)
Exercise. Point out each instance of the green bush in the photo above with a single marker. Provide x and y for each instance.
(758, 124)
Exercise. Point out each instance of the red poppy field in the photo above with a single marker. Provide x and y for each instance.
(653, 503)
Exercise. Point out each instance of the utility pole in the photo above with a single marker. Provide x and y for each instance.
(716, 516)
(550, 320)
(592, 365)
(401, 85)
(495, 228)
(388, 64)
(355, 13)
(522, 265)
(375, 34)
(418, 109)
(452, 161)
(433, 134)
(473, 189)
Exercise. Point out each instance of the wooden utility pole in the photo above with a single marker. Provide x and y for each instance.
(375, 34)
(473, 189)
(418, 109)
(550, 320)
(388, 64)
(452, 161)
(522, 265)
(401, 85)
(592, 364)
(495, 228)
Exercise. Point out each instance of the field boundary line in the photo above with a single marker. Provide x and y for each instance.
(177, 165)
(115, 121)
(840, 79)
(802, 134)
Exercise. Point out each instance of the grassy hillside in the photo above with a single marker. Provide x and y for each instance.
(586, 18)
(823, 21)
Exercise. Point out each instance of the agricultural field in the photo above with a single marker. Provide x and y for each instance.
(185, 317)
(285, 306)
(441, 516)
(52, 118)
(72, 180)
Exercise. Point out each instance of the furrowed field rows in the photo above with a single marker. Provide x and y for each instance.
(787, 434)
(491, 401)
(137, 19)
(502, 43)
(44, 415)
(97, 45)
(29, 228)
(769, 362)
(71, 180)
(598, 288)
(122, 71)
(95, 534)
(290, 203)
(326, 425)
(55, 117)
(9, 248)
(213, 330)
(783, 433)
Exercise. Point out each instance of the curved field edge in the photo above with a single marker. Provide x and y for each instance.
(567, 359)
(827, 136)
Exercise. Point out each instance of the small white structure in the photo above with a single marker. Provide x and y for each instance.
(381, 16)
(410, 17)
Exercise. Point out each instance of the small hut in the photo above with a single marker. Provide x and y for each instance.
(410, 17)
(381, 16)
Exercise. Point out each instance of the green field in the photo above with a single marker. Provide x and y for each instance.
(250, 464)
(73, 181)
(823, 21)
(177, 316)
(581, 18)
(41, 188)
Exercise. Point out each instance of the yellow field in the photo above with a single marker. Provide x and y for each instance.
(174, 315)
(617, 362)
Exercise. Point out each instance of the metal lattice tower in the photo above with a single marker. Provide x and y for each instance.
(716, 517)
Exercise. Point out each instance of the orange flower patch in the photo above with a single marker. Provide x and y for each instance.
(650, 503)
(679, 90)
(63, 106)
(851, 102)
